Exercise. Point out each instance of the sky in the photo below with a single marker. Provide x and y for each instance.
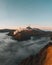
(25, 12)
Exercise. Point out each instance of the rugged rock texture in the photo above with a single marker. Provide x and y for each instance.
(44, 57)
(26, 34)
(23, 35)
(10, 33)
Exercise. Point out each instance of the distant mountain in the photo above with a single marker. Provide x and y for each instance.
(6, 30)
(28, 32)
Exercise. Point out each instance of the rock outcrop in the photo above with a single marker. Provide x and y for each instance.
(44, 57)
(10, 33)
(22, 35)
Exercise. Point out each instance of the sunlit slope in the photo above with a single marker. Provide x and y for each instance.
(44, 57)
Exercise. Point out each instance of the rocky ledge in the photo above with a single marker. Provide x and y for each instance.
(44, 57)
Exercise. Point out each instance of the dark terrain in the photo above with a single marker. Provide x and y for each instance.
(30, 32)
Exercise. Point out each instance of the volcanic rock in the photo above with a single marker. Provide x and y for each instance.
(26, 34)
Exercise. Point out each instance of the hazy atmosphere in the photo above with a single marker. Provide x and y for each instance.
(25, 32)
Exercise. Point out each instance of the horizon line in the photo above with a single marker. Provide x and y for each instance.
(24, 26)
